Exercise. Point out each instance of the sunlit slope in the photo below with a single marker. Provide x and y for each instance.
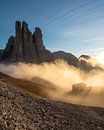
(39, 87)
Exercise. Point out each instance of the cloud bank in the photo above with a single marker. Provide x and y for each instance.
(63, 77)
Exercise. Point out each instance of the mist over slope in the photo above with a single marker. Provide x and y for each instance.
(62, 77)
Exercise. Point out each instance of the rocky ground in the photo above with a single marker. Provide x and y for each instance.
(22, 111)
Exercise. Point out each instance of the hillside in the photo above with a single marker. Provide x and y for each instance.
(20, 110)
(39, 87)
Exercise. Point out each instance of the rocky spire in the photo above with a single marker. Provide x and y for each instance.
(18, 28)
(28, 48)
(8, 51)
(24, 26)
(37, 39)
(21, 47)
(25, 46)
(39, 46)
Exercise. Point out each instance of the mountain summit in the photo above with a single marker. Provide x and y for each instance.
(28, 47)
(25, 46)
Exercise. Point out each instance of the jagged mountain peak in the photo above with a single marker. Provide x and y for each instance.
(26, 46)
(29, 47)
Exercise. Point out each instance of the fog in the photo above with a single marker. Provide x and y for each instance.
(63, 77)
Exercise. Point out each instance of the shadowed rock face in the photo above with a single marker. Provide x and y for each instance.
(42, 53)
(85, 57)
(68, 57)
(25, 46)
(86, 65)
(28, 47)
(20, 47)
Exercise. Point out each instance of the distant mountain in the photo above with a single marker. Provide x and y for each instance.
(68, 57)
(28, 47)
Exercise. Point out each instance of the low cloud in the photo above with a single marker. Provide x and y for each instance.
(63, 77)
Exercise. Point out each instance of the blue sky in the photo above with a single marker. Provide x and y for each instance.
(76, 26)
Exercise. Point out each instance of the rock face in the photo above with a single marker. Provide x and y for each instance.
(87, 57)
(68, 57)
(25, 46)
(20, 47)
(42, 53)
(28, 47)
(1, 52)
(85, 63)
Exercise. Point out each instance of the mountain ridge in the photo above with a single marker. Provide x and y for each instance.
(28, 47)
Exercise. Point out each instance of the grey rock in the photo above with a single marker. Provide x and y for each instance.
(18, 28)
(25, 46)
(20, 47)
(8, 51)
(3, 92)
(29, 48)
(37, 39)
(43, 55)
(85, 57)
(85, 65)
(68, 57)
(1, 52)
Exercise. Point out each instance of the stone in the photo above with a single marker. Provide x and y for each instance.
(68, 57)
(28, 47)
(1, 53)
(31, 112)
(3, 93)
(8, 51)
(20, 48)
(18, 28)
(37, 38)
(86, 64)
(87, 57)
